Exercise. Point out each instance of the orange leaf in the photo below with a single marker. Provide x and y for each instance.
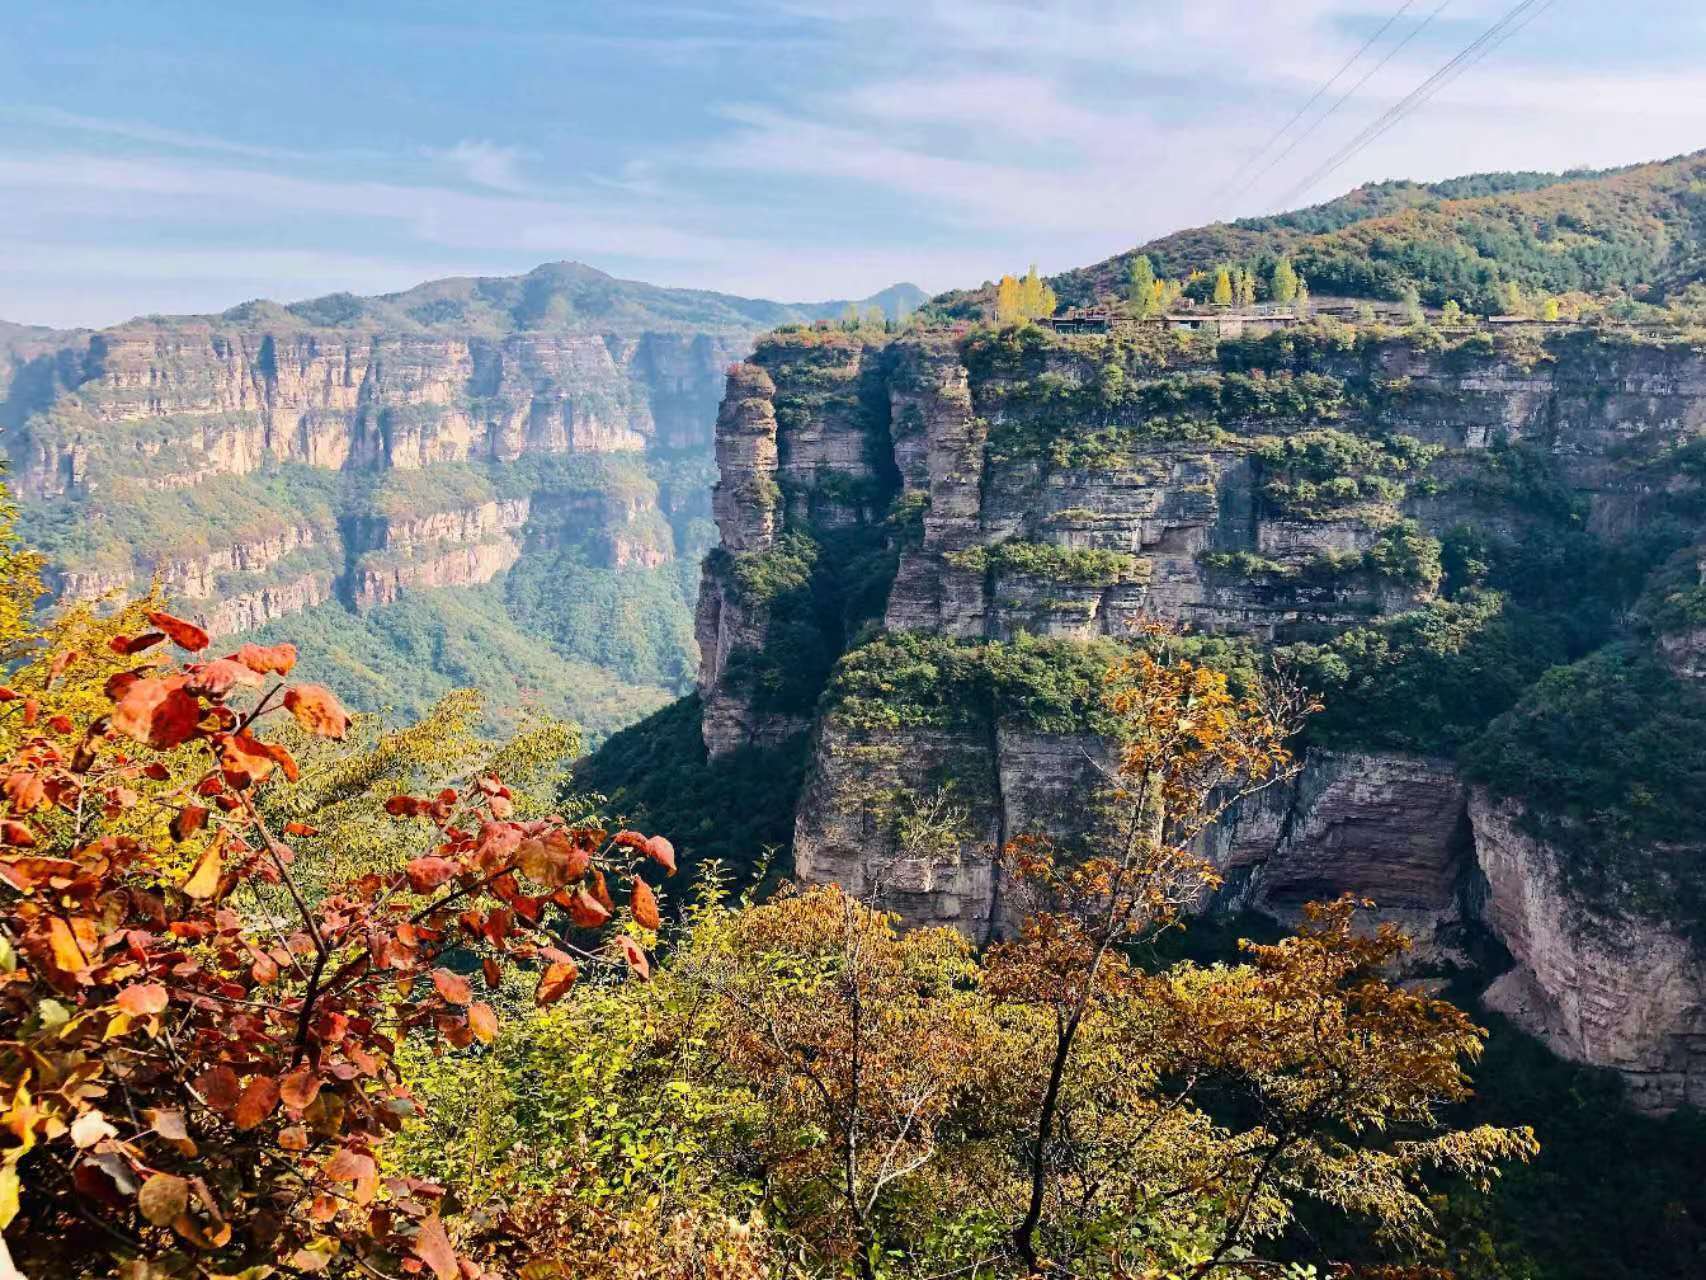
(16, 833)
(293, 1138)
(25, 790)
(245, 759)
(586, 911)
(644, 904)
(129, 645)
(204, 879)
(69, 953)
(635, 956)
(317, 710)
(188, 821)
(263, 660)
(483, 1022)
(259, 1098)
(455, 990)
(142, 999)
(186, 635)
(662, 852)
(348, 1165)
(294, 828)
(432, 1247)
(299, 1088)
(427, 873)
(157, 711)
(555, 982)
(219, 677)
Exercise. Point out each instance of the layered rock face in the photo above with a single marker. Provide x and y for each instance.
(280, 436)
(180, 404)
(1030, 490)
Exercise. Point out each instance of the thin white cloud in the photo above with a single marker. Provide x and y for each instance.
(488, 164)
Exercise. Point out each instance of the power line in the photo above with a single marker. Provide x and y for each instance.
(1487, 50)
(1396, 49)
(1316, 97)
(1415, 98)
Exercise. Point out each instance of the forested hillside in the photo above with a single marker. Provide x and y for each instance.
(1629, 234)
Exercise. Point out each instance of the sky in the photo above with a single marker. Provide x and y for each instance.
(188, 155)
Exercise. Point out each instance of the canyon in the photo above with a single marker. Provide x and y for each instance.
(345, 453)
(1038, 501)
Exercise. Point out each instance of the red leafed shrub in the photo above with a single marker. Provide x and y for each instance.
(193, 1084)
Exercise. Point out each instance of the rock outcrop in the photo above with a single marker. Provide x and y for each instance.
(1080, 490)
(1613, 991)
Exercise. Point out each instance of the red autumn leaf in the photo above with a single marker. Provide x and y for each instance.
(282, 757)
(644, 905)
(293, 1138)
(482, 1022)
(219, 677)
(294, 828)
(259, 1098)
(263, 660)
(25, 873)
(432, 1247)
(130, 645)
(427, 873)
(32, 710)
(555, 982)
(635, 955)
(629, 840)
(299, 1088)
(218, 1088)
(245, 759)
(601, 891)
(25, 790)
(317, 710)
(403, 806)
(141, 999)
(455, 990)
(586, 911)
(186, 635)
(156, 711)
(347, 1165)
(189, 820)
(7, 694)
(264, 970)
(17, 834)
(662, 852)
(59, 723)
(492, 972)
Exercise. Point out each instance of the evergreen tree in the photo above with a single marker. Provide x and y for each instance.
(1141, 290)
(1284, 281)
(1246, 287)
(1300, 301)
(1452, 314)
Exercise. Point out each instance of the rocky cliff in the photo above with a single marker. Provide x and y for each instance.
(931, 544)
(270, 459)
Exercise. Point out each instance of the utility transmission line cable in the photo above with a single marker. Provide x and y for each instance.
(1348, 94)
(1316, 97)
(1404, 113)
(1416, 97)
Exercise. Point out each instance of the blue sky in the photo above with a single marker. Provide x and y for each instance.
(185, 155)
